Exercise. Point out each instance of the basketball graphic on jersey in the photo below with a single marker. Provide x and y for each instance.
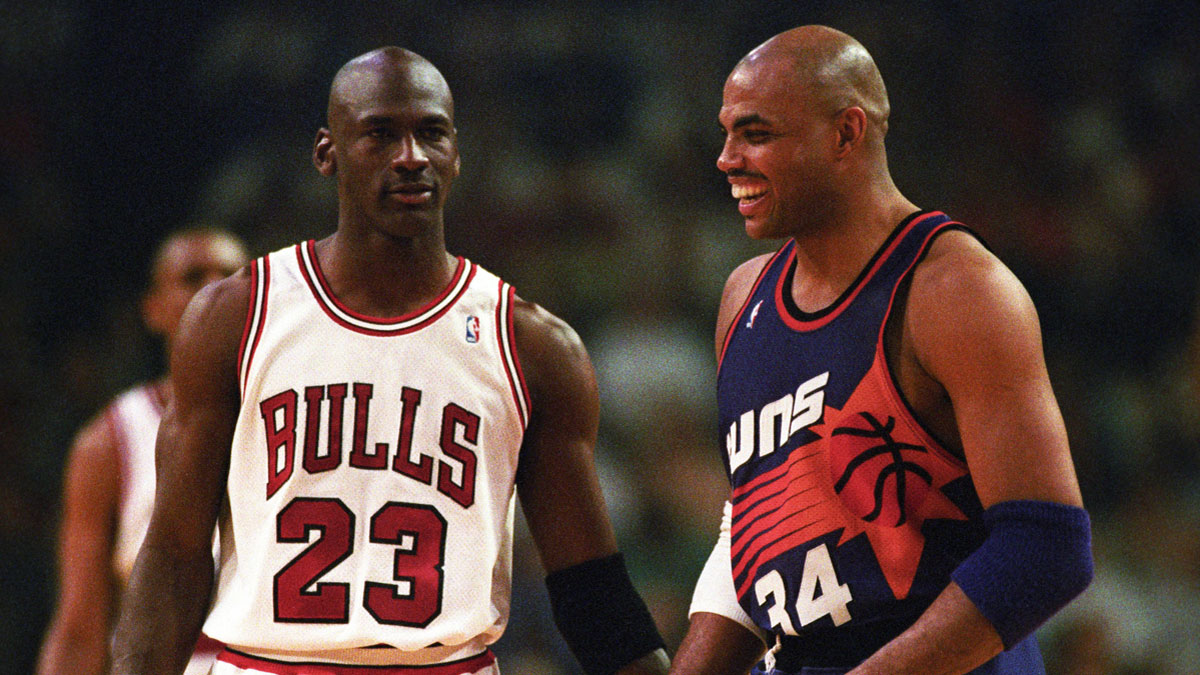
(879, 476)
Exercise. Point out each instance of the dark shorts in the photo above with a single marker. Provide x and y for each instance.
(1023, 659)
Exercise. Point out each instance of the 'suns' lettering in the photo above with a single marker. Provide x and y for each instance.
(451, 471)
(773, 424)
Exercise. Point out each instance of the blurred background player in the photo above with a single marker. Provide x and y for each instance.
(110, 479)
(357, 414)
(903, 497)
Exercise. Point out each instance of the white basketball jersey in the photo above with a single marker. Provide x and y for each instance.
(370, 494)
(134, 416)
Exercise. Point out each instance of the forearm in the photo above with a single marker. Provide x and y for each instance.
(162, 612)
(654, 663)
(949, 638)
(74, 650)
(716, 645)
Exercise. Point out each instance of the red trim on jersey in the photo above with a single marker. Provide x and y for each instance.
(746, 303)
(460, 667)
(845, 301)
(256, 316)
(207, 645)
(508, 352)
(250, 307)
(380, 326)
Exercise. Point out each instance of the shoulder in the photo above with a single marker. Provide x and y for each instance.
(547, 345)
(737, 288)
(964, 299)
(97, 445)
(960, 273)
(559, 374)
(210, 331)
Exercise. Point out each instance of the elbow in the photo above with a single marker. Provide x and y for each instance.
(1036, 559)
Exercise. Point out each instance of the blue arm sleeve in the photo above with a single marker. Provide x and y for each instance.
(1036, 558)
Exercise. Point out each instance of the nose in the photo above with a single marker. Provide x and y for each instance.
(410, 156)
(730, 157)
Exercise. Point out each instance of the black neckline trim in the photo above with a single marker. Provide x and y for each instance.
(789, 275)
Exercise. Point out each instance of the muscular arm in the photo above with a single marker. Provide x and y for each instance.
(984, 350)
(77, 642)
(716, 644)
(169, 591)
(556, 480)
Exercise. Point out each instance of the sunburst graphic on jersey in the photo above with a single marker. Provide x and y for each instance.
(863, 475)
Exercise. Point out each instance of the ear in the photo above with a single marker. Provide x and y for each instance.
(324, 154)
(152, 312)
(851, 127)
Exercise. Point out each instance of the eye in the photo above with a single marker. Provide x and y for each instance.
(433, 134)
(193, 276)
(379, 132)
(756, 135)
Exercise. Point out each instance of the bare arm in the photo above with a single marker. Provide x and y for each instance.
(77, 641)
(984, 349)
(557, 483)
(169, 591)
(715, 644)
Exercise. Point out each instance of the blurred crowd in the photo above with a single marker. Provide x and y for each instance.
(1064, 132)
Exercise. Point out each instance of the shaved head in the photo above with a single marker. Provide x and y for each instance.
(362, 79)
(830, 66)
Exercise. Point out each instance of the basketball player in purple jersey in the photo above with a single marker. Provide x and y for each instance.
(109, 487)
(903, 498)
(356, 414)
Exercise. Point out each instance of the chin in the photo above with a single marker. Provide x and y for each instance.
(761, 229)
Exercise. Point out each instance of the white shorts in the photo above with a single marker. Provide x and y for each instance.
(231, 662)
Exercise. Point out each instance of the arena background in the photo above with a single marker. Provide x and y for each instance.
(1065, 132)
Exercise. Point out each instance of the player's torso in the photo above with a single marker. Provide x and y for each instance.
(371, 476)
(134, 417)
(847, 513)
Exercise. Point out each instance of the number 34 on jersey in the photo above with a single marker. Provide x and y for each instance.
(820, 594)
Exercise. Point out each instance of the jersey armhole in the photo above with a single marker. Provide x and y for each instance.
(900, 291)
(256, 313)
(508, 353)
(746, 303)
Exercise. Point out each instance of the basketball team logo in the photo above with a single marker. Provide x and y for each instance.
(472, 329)
(880, 478)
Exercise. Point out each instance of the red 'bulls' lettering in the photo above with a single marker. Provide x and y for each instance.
(452, 473)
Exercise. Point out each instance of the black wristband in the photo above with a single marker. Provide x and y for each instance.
(601, 616)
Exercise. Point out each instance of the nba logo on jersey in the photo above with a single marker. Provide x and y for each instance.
(472, 329)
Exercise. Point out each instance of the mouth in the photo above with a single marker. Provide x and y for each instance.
(750, 197)
(413, 194)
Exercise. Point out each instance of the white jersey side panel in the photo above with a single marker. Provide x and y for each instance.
(370, 494)
(134, 416)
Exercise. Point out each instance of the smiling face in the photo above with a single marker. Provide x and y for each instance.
(391, 143)
(779, 146)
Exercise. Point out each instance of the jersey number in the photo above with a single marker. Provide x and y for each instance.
(818, 574)
(417, 531)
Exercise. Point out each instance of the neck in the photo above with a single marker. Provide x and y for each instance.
(830, 257)
(382, 275)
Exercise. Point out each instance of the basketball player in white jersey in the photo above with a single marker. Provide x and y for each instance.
(357, 414)
(109, 489)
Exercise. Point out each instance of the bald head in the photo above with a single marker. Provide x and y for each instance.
(387, 70)
(828, 65)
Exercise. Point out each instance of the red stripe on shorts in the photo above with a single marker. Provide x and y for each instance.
(460, 667)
